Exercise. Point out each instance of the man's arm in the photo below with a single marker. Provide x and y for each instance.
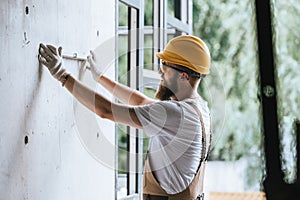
(122, 92)
(51, 57)
(100, 105)
(125, 94)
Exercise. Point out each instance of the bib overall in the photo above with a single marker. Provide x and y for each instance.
(153, 191)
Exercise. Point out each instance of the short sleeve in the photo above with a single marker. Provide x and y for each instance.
(160, 117)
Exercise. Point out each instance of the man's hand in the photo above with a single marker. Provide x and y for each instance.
(96, 72)
(51, 57)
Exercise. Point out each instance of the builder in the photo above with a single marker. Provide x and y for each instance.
(177, 121)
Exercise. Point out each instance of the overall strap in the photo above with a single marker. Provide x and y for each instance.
(203, 152)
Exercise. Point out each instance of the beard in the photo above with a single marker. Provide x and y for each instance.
(163, 93)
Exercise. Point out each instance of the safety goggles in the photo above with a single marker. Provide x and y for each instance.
(165, 67)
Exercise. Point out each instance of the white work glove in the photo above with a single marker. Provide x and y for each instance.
(51, 57)
(96, 71)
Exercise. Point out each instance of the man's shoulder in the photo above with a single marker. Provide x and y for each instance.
(201, 104)
(160, 106)
(165, 103)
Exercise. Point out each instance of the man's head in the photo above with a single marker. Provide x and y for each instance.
(189, 57)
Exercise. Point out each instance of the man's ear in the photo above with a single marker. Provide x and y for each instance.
(184, 76)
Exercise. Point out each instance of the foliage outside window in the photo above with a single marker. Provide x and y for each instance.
(287, 40)
(228, 28)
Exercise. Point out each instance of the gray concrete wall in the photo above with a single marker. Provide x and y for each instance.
(50, 146)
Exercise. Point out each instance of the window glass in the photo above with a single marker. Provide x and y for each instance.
(148, 51)
(148, 8)
(123, 15)
(231, 88)
(122, 131)
(287, 61)
(171, 7)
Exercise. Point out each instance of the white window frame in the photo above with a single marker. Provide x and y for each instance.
(181, 23)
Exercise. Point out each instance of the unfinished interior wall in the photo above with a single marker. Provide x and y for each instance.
(42, 152)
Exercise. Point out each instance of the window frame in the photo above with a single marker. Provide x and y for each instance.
(135, 58)
(138, 76)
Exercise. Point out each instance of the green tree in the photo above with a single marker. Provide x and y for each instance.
(228, 28)
(286, 39)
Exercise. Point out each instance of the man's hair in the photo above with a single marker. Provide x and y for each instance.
(190, 72)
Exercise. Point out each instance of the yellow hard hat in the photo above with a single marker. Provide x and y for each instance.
(188, 51)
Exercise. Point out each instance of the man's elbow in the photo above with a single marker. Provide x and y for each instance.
(105, 114)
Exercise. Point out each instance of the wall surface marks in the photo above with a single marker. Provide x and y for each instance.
(50, 146)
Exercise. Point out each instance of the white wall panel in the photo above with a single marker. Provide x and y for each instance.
(54, 164)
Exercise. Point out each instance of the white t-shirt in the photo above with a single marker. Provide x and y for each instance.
(175, 140)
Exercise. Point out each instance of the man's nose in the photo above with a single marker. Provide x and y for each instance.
(160, 71)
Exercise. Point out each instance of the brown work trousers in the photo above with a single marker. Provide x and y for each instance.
(153, 191)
